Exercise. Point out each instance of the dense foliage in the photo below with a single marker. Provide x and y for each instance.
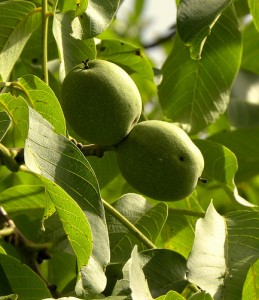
(71, 226)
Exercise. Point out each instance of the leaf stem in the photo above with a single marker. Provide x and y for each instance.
(45, 18)
(137, 233)
(187, 212)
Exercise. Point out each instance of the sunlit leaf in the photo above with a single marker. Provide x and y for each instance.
(59, 160)
(17, 109)
(251, 285)
(207, 263)
(164, 270)
(72, 51)
(41, 97)
(129, 57)
(221, 165)
(9, 297)
(18, 20)
(81, 7)
(254, 10)
(172, 295)
(96, 19)
(5, 123)
(195, 19)
(201, 296)
(195, 92)
(149, 220)
(21, 279)
(223, 251)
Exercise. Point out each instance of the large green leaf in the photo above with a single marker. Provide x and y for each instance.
(195, 19)
(72, 50)
(254, 10)
(244, 144)
(5, 123)
(172, 295)
(17, 109)
(41, 97)
(164, 270)
(220, 165)
(18, 20)
(127, 56)
(21, 280)
(149, 220)
(223, 251)
(194, 93)
(59, 160)
(250, 48)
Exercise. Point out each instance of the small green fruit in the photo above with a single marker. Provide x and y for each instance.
(159, 160)
(100, 101)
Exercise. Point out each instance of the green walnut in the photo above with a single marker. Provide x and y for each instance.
(100, 102)
(160, 161)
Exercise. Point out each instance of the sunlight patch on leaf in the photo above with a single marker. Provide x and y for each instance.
(251, 285)
(18, 20)
(195, 19)
(207, 262)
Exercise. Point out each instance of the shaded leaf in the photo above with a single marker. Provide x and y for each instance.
(59, 160)
(21, 279)
(251, 285)
(5, 123)
(220, 165)
(149, 220)
(250, 48)
(164, 270)
(247, 153)
(195, 93)
(17, 109)
(96, 19)
(129, 57)
(195, 19)
(18, 20)
(72, 51)
(207, 262)
(254, 10)
(41, 97)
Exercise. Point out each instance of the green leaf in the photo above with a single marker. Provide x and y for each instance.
(247, 153)
(5, 123)
(251, 285)
(41, 97)
(96, 19)
(250, 48)
(223, 251)
(254, 10)
(177, 234)
(172, 295)
(195, 93)
(72, 50)
(9, 297)
(164, 270)
(201, 296)
(129, 57)
(81, 7)
(195, 19)
(220, 165)
(207, 264)
(21, 279)
(18, 20)
(17, 109)
(149, 220)
(59, 160)
(23, 198)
